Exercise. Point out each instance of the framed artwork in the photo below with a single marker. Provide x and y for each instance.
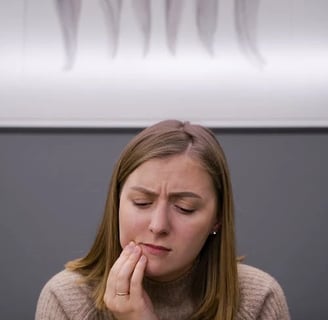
(129, 63)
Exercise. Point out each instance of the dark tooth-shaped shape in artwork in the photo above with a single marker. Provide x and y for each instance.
(206, 17)
(112, 13)
(142, 10)
(246, 19)
(173, 13)
(69, 12)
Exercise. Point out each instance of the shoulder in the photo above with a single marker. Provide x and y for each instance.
(64, 279)
(261, 296)
(253, 278)
(64, 296)
(67, 283)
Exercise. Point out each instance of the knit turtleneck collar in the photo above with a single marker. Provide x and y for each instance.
(173, 297)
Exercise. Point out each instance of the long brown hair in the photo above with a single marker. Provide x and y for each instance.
(219, 278)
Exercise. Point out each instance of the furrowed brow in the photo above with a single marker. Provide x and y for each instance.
(184, 194)
(144, 190)
(174, 195)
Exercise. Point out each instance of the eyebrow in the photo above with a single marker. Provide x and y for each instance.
(182, 194)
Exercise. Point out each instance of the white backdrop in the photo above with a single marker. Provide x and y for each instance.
(227, 89)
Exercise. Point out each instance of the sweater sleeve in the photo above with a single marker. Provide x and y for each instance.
(65, 296)
(275, 305)
(49, 307)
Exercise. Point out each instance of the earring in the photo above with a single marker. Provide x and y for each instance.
(214, 233)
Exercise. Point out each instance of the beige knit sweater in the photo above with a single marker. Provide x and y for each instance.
(64, 297)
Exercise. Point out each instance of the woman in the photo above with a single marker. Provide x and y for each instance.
(166, 246)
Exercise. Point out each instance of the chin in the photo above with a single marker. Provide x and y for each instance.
(155, 274)
(160, 275)
(152, 272)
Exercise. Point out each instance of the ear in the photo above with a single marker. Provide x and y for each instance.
(216, 227)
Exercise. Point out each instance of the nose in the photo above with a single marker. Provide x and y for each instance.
(159, 221)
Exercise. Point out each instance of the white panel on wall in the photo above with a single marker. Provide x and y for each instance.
(269, 71)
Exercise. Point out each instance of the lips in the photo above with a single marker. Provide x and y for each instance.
(155, 250)
(156, 247)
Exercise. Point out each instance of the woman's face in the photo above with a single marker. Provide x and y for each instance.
(168, 207)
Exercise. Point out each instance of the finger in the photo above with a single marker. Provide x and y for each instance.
(112, 276)
(122, 258)
(124, 275)
(136, 289)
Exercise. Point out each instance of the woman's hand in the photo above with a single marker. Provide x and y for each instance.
(125, 296)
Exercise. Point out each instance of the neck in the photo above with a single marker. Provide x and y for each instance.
(175, 297)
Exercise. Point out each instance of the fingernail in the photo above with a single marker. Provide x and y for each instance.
(143, 259)
(136, 249)
(130, 247)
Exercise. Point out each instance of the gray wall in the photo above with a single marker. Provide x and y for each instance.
(53, 186)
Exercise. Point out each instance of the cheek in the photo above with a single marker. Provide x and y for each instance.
(197, 239)
(124, 225)
(197, 227)
(130, 227)
(124, 231)
(195, 235)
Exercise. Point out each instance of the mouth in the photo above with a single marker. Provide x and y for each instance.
(154, 249)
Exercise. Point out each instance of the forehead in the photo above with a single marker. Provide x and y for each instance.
(178, 172)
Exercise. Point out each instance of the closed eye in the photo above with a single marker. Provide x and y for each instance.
(142, 203)
(184, 210)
